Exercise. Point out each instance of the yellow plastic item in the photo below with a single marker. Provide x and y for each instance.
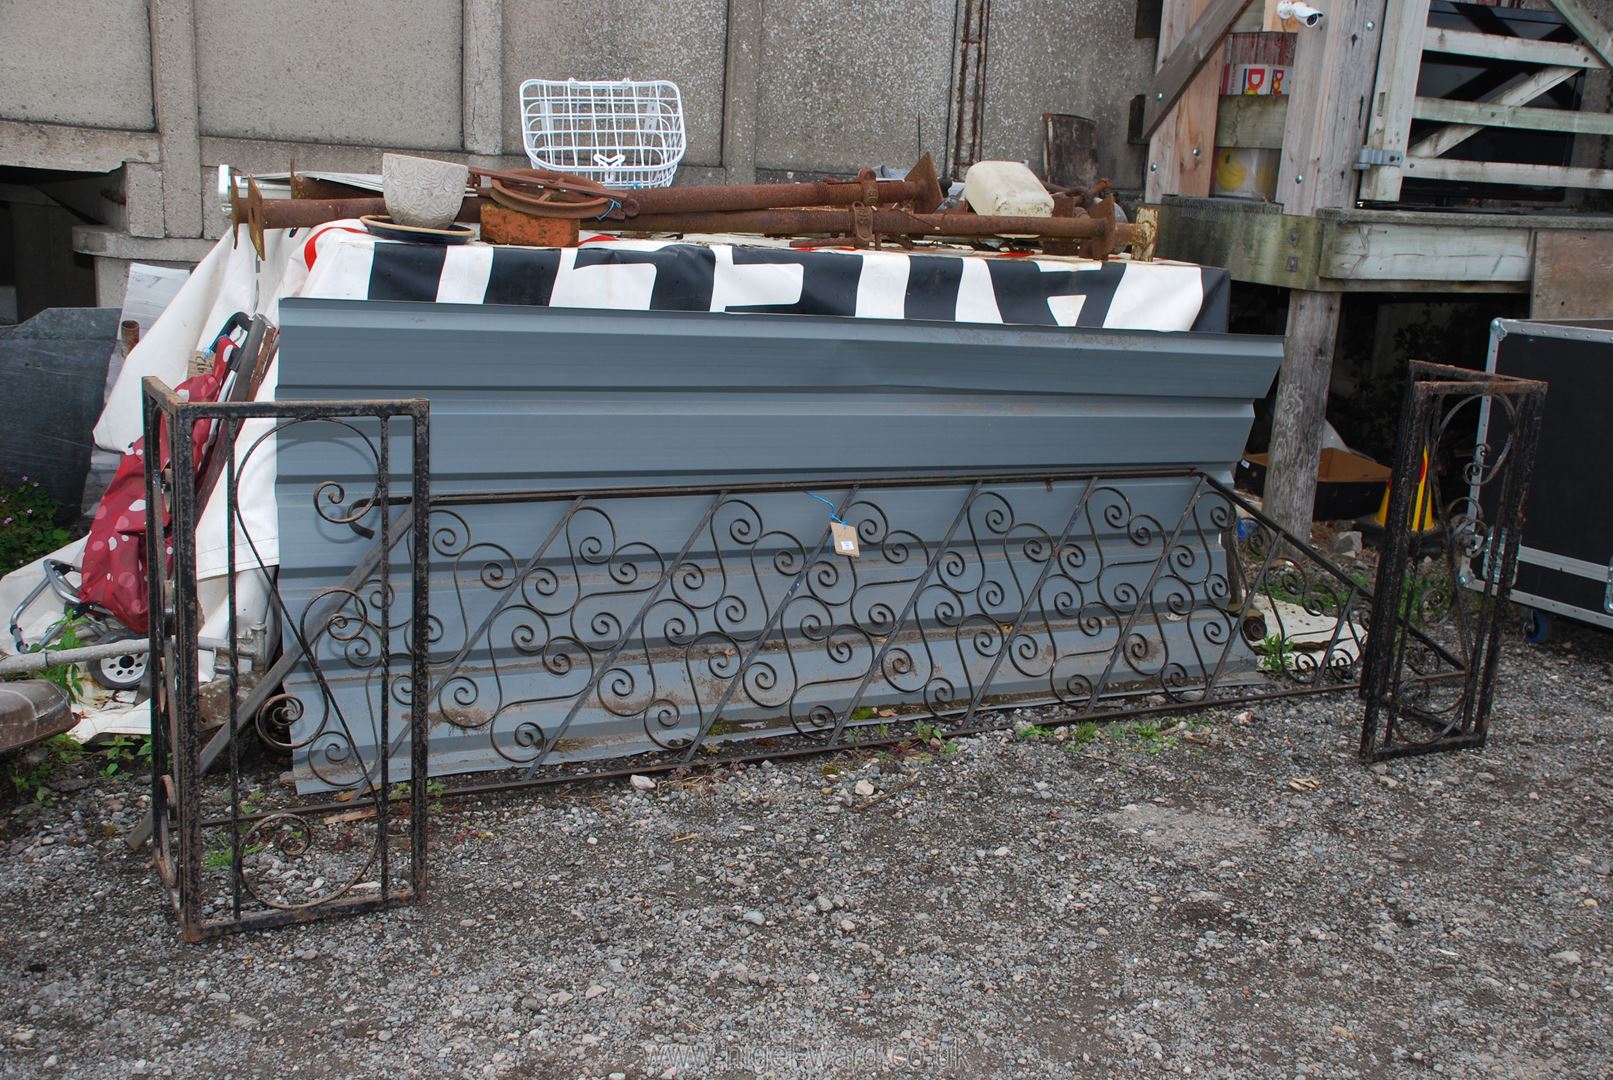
(1423, 519)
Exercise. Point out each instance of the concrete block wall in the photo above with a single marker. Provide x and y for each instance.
(160, 92)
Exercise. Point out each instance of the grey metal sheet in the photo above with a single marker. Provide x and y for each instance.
(556, 397)
(560, 399)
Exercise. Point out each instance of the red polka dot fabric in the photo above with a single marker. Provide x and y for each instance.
(114, 564)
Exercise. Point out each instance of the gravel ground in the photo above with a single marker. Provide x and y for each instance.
(1236, 899)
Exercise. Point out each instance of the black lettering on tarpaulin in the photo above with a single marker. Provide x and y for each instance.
(523, 276)
(1024, 289)
(1098, 286)
(684, 273)
(405, 272)
(932, 287)
(1213, 309)
(828, 280)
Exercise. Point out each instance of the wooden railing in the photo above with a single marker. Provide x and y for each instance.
(1390, 157)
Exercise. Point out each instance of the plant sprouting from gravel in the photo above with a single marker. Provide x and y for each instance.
(1276, 656)
(31, 770)
(224, 858)
(122, 753)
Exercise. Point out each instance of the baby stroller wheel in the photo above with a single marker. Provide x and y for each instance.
(125, 671)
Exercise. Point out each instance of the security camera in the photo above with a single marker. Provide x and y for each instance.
(1308, 16)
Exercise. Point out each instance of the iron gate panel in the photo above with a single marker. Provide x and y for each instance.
(1465, 454)
(592, 626)
(233, 848)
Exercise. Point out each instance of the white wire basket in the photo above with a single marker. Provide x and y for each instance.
(626, 134)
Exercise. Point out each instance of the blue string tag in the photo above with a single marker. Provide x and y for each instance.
(832, 515)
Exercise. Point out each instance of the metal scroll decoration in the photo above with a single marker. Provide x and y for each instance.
(653, 630)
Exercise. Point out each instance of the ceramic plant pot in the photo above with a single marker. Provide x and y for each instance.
(422, 192)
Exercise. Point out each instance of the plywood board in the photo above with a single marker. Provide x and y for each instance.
(1572, 276)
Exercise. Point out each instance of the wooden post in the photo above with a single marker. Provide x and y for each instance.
(1406, 23)
(1334, 66)
(1296, 433)
(1591, 29)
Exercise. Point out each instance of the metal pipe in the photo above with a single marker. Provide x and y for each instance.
(886, 222)
(743, 197)
(304, 213)
(46, 658)
(920, 188)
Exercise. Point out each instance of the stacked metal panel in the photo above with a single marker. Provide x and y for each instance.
(540, 601)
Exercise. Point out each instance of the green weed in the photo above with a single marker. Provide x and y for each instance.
(1276, 655)
(122, 753)
(224, 858)
(28, 526)
(66, 676)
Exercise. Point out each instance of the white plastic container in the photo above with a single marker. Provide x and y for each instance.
(1005, 189)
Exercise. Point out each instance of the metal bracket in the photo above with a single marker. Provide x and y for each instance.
(1371, 157)
(1607, 593)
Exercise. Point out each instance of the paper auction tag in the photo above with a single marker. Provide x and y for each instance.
(845, 539)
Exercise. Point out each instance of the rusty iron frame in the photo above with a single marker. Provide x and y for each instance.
(1465, 586)
(969, 85)
(213, 895)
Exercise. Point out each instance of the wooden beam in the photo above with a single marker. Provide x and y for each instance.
(1255, 242)
(1506, 172)
(1591, 30)
(1427, 253)
(1251, 121)
(1252, 21)
(1399, 60)
(1345, 250)
(1518, 91)
(1334, 66)
(1489, 114)
(1523, 50)
(1302, 384)
(1187, 59)
(1181, 155)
